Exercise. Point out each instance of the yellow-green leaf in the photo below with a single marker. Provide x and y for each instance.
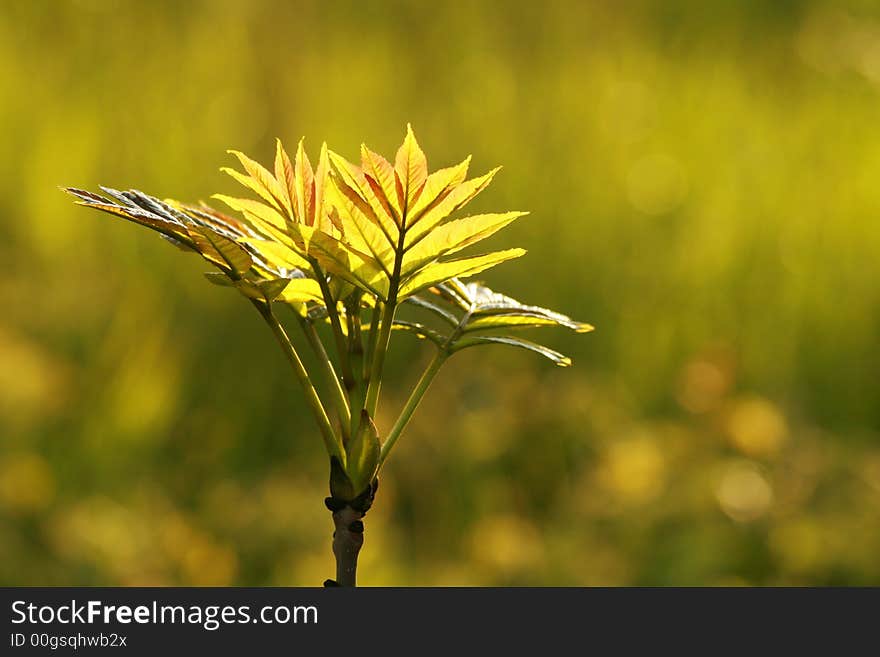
(522, 319)
(250, 289)
(262, 229)
(277, 254)
(219, 278)
(456, 198)
(264, 183)
(411, 167)
(381, 172)
(350, 182)
(284, 176)
(454, 236)
(436, 185)
(340, 288)
(439, 311)
(421, 331)
(273, 287)
(456, 293)
(486, 310)
(364, 235)
(460, 267)
(300, 290)
(302, 236)
(321, 181)
(560, 359)
(222, 251)
(338, 258)
(256, 208)
(304, 178)
(252, 184)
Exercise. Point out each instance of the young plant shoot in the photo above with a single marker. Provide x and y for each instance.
(344, 246)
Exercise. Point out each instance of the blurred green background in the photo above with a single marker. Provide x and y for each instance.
(702, 178)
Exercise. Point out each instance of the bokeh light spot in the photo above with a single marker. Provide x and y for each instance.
(757, 428)
(743, 492)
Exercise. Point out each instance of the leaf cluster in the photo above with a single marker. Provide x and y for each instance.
(346, 244)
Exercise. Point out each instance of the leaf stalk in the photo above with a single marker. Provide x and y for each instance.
(331, 440)
(412, 403)
(340, 401)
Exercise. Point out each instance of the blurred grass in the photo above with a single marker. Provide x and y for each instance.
(702, 182)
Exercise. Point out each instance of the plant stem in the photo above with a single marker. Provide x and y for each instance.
(347, 542)
(331, 440)
(381, 347)
(379, 357)
(339, 399)
(355, 357)
(333, 314)
(412, 403)
(372, 338)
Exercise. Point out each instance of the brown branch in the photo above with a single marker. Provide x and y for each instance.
(348, 536)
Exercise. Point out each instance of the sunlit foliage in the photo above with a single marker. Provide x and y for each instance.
(701, 178)
(349, 243)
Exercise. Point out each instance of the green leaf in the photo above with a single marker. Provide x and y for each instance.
(521, 319)
(455, 292)
(262, 290)
(444, 314)
(555, 356)
(493, 310)
(363, 454)
(341, 288)
(460, 267)
(219, 278)
(487, 310)
(420, 331)
(272, 288)
(482, 309)
(454, 236)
